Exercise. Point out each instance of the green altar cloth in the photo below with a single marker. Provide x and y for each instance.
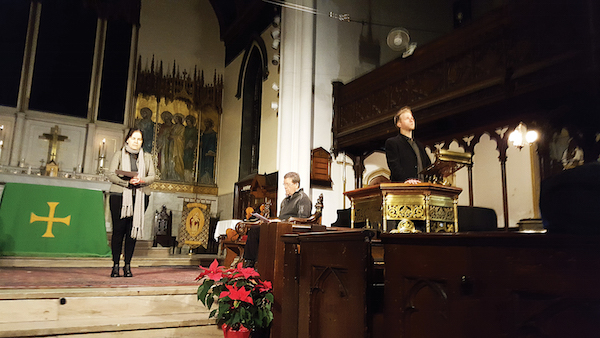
(50, 221)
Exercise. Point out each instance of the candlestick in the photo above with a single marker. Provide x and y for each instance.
(103, 148)
(101, 156)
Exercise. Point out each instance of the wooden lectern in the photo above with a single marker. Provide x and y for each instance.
(396, 207)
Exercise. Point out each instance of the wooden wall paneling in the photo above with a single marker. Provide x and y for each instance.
(335, 272)
(491, 285)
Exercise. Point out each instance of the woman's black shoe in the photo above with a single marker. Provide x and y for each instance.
(127, 271)
(115, 271)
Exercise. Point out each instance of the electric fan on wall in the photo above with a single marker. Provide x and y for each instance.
(398, 40)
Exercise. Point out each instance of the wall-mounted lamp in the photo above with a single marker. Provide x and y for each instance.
(521, 135)
(275, 60)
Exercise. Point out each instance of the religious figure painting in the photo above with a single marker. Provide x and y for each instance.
(182, 139)
(209, 149)
(189, 148)
(179, 115)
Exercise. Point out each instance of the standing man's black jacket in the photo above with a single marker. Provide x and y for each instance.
(402, 160)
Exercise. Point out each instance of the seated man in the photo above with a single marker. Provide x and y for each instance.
(295, 204)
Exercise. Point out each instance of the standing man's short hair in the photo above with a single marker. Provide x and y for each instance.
(293, 176)
(400, 112)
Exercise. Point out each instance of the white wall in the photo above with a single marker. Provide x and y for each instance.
(269, 117)
(183, 31)
(461, 177)
(228, 156)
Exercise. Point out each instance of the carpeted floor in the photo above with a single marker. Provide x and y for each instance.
(96, 277)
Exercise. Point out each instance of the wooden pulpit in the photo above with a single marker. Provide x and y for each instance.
(402, 208)
(396, 207)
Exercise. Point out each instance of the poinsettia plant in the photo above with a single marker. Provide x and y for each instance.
(243, 299)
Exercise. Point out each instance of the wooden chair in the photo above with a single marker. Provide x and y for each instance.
(314, 218)
(235, 242)
(163, 229)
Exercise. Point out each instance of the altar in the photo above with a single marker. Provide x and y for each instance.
(377, 207)
(52, 217)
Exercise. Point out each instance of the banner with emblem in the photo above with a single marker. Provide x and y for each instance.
(195, 224)
(50, 221)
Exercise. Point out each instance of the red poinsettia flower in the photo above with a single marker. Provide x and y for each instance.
(237, 294)
(264, 286)
(246, 272)
(213, 272)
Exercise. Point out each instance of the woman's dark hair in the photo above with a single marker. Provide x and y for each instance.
(133, 130)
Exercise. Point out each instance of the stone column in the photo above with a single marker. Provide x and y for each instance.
(296, 96)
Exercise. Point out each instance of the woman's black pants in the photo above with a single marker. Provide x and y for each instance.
(121, 229)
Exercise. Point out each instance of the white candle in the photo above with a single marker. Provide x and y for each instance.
(103, 148)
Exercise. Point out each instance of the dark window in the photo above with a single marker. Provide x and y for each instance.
(113, 90)
(251, 115)
(14, 15)
(64, 57)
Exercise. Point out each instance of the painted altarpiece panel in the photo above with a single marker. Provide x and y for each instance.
(183, 150)
(179, 117)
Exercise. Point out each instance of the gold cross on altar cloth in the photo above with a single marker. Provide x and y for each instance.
(54, 138)
(50, 219)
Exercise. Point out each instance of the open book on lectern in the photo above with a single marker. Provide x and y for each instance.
(446, 163)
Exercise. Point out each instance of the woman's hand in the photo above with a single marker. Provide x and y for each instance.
(135, 181)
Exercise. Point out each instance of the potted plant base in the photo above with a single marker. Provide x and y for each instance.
(243, 300)
(229, 332)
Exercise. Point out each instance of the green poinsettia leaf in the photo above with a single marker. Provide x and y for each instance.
(212, 314)
(203, 290)
(209, 301)
(243, 315)
(260, 318)
(223, 307)
(269, 297)
(236, 318)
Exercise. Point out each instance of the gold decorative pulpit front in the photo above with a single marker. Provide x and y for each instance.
(397, 207)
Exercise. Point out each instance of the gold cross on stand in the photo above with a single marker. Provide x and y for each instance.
(54, 138)
(50, 219)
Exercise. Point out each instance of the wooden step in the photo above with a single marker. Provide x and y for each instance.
(81, 262)
(172, 311)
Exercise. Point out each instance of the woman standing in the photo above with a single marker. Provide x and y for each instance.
(129, 197)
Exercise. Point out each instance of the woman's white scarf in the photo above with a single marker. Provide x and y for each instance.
(129, 208)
